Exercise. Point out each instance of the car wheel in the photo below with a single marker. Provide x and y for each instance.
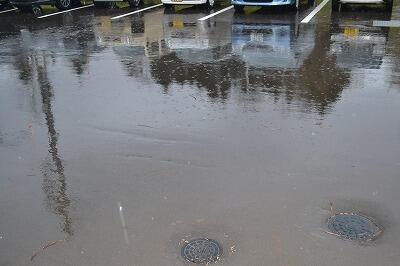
(134, 3)
(335, 5)
(37, 11)
(238, 8)
(209, 4)
(63, 4)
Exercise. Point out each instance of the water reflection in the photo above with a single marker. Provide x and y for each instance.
(257, 57)
(359, 45)
(199, 54)
(134, 42)
(54, 180)
(33, 68)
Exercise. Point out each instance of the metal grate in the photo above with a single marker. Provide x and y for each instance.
(353, 227)
(202, 251)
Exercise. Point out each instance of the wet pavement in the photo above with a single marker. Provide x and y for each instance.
(125, 139)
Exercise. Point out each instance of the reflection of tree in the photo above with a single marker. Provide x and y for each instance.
(54, 180)
(215, 77)
(23, 65)
(82, 42)
(316, 84)
(322, 80)
(32, 66)
(394, 39)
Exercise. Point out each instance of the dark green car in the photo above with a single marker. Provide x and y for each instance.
(5, 4)
(34, 5)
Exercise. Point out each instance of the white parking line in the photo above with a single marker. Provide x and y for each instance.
(65, 11)
(314, 12)
(5, 11)
(137, 11)
(215, 13)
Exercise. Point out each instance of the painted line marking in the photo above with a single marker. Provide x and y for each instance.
(314, 12)
(383, 23)
(215, 13)
(137, 11)
(123, 223)
(6, 11)
(65, 11)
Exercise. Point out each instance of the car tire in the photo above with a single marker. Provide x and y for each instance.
(335, 5)
(63, 4)
(209, 4)
(238, 8)
(37, 11)
(134, 3)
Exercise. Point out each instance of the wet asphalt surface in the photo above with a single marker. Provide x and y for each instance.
(127, 138)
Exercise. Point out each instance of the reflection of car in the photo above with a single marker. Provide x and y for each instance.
(108, 3)
(240, 4)
(4, 4)
(357, 46)
(34, 5)
(196, 42)
(170, 3)
(271, 42)
(141, 35)
(336, 4)
(134, 41)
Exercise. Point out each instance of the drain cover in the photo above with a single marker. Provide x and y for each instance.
(202, 251)
(354, 227)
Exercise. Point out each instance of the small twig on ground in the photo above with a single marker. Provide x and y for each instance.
(332, 209)
(142, 125)
(45, 247)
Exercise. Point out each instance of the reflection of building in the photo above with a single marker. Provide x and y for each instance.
(356, 45)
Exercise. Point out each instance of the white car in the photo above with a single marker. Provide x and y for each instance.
(206, 3)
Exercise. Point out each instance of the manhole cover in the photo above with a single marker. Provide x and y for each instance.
(201, 251)
(354, 227)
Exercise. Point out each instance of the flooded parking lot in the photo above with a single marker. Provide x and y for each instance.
(122, 140)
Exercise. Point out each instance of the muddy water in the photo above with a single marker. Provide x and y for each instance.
(126, 139)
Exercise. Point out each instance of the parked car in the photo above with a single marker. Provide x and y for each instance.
(111, 4)
(34, 5)
(4, 4)
(240, 4)
(171, 3)
(336, 4)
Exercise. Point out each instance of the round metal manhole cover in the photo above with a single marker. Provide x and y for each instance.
(202, 251)
(354, 227)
